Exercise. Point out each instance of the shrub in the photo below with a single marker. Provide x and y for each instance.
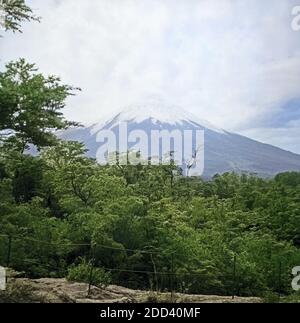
(85, 272)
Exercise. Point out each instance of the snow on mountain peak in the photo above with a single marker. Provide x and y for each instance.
(158, 112)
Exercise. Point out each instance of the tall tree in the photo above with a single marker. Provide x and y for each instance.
(30, 105)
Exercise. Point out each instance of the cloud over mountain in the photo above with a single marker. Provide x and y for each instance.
(236, 63)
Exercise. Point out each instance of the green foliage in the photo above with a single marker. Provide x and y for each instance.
(150, 229)
(85, 272)
(16, 11)
(290, 179)
(27, 179)
(30, 106)
(231, 235)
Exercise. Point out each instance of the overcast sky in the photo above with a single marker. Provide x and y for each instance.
(235, 63)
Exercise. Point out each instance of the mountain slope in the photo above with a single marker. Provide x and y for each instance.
(223, 151)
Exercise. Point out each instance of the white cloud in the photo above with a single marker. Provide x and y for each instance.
(232, 62)
(285, 138)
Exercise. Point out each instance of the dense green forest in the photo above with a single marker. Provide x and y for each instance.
(147, 228)
(139, 226)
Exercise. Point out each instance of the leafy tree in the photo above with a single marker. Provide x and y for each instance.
(30, 106)
(15, 12)
(27, 179)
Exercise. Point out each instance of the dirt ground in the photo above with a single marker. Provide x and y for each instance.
(49, 290)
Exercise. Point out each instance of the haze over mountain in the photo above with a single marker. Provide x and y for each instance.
(223, 151)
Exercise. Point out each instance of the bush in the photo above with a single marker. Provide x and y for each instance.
(86, 273)
(293, 298)
(271, 297)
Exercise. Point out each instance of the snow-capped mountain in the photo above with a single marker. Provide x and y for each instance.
(223, 151)
(155, 111)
